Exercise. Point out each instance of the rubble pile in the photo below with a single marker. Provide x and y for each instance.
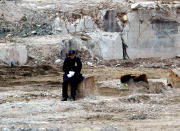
(30, 23)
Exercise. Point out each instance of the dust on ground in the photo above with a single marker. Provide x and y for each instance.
(30, 100)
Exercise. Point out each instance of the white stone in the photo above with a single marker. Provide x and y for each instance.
(89, 63)
(58, 61)
(173, 66)
(134, 6)
(33, 32)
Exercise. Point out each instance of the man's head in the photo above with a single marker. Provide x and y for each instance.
(72, 54)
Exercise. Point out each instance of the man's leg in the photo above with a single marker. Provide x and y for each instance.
(65, 88)
(74, 83)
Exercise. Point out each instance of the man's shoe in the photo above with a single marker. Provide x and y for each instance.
(64, 99)
(72, 99)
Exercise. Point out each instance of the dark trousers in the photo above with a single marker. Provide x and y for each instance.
(74, 81)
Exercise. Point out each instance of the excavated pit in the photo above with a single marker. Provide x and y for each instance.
(30, 100)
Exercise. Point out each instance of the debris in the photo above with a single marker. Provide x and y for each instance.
(156, 87)
(129, 78)
(135, 6)
(34, 32)
(89, 63)
(138, 98)
(58, 61)
(140, 116)
(117, 65)
(85, 37)
(12, 63)
(124, 18)
(173, 66)
(126, 78)
(126, 85)
(163, 80)
(109, 129)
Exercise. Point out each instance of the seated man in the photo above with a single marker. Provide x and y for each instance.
(72, 67)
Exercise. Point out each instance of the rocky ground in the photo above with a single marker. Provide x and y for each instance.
(30, 100)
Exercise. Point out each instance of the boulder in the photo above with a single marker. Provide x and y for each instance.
(174, 77)
(107, 45)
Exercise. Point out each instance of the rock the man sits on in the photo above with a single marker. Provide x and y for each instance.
(72, 67)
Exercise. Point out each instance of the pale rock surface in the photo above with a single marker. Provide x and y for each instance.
(17, 53)
(107, 45)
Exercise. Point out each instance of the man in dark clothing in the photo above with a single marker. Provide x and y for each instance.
(72, 67)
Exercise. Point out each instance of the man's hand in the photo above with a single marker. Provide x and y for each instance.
(71, 73)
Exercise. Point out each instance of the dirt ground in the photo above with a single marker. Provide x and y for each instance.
(30, 100)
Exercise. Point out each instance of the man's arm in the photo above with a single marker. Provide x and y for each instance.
(79, 66)
(66, 66)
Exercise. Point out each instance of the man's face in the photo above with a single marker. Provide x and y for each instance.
(72, 56)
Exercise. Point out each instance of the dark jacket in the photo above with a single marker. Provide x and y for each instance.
(72, 65)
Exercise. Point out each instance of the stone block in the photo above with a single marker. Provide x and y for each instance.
(16, 53)
(85, 88)
(106, 45)
(174, 77)
(146, 38)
